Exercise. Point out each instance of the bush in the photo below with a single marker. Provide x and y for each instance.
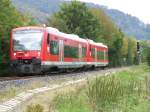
(148, 57)
(35, 108)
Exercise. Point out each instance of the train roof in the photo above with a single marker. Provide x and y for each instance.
(28, 27)
(62, 34)
(68, 36)
(72, 36)
(97, 44)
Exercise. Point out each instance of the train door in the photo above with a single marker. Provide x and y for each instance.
(104, 55)
(80, 52)
(61, 50)
(95, 54)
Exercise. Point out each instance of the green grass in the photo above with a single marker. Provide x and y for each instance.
(7, 94)
(125, 91)
(72, 102)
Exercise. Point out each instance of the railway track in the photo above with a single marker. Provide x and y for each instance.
(55, 73)
(13, 78)
(9, 82)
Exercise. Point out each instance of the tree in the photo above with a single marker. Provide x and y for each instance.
(124, 50)
(115, 54)
(111, 36)
(108, 28)
(148, 56)
(144, 48)
(131, 51)
(76, 18)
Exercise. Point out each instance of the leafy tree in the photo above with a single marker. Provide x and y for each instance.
(144, 48)
(111, 35)
(145, 51)
(148, 56)
(115, 55)
(108, 28)
(76, 18)
(124, 50)
(58, 23)
(131, 51)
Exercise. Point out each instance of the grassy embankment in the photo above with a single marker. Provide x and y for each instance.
(125, 91)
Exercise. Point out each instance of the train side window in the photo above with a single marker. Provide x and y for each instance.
(54, 47)
(100, 55)
(83, 52)
(93, 52)
(71, 52)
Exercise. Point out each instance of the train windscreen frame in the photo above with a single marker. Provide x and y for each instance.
(27, 40)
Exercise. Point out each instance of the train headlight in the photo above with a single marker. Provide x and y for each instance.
(39, 53)
(14, 54)
(26, 54)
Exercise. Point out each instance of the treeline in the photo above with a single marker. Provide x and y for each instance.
(76, 18)
(145, 51)
(94, 24)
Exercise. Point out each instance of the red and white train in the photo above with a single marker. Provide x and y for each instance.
(39, 49)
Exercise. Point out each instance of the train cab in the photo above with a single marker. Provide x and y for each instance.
(25, 49)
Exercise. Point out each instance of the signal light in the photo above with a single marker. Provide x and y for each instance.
(138, 46)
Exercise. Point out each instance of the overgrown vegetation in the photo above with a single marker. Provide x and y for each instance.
(145, 51)
(124, 88)
(35, 108)
(148, 57)
(125, 91)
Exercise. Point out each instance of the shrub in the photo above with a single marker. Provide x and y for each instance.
(35, 108)
(148, 57)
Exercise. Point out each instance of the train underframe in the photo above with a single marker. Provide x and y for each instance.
(35, 66)
(25, 66)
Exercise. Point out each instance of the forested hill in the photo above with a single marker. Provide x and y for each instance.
(42, 9)
(129, 24)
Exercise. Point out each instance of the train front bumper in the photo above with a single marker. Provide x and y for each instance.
(26, 66)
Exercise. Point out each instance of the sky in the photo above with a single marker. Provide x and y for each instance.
(138, 8)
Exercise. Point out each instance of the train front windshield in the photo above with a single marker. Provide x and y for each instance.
(27, 40)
